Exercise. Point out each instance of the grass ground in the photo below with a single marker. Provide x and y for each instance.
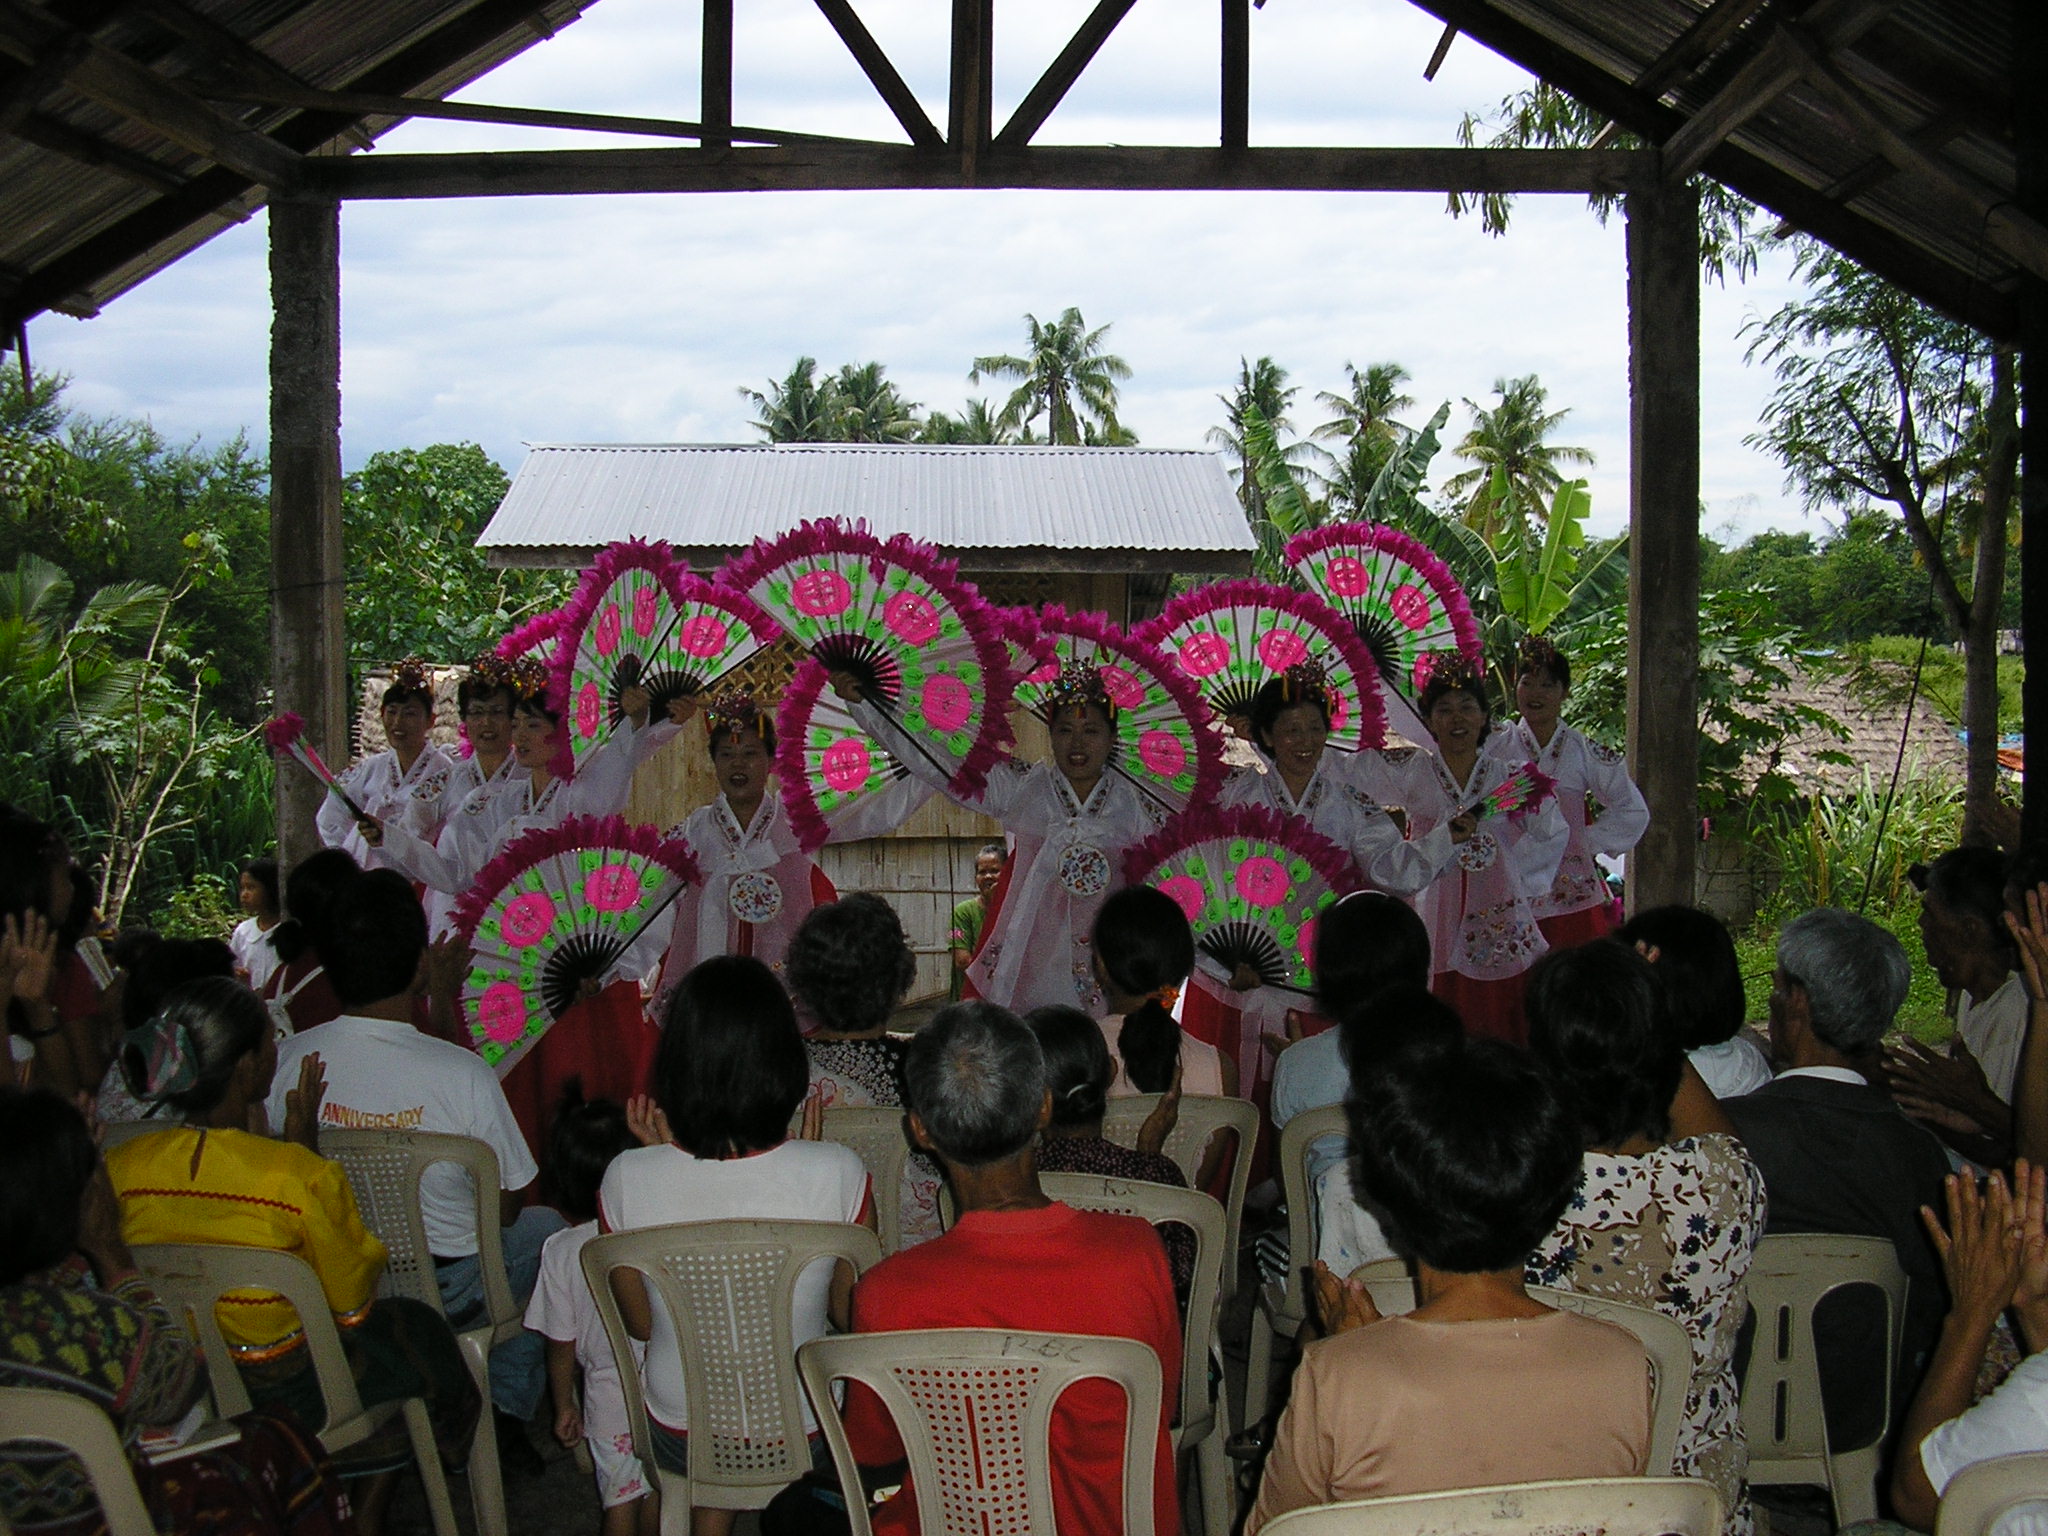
(1925, 1015)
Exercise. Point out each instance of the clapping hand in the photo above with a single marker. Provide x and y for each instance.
(1980, 1247)
(1164, 1117)
(302, 1103)
(1342, 1304)
(28, 955)
(647, 1122)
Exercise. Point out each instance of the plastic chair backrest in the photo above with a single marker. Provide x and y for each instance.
(974, 1409)
(1296, 1138)
(192, 1277)
(384, 1169)
(1664, 1341)
(1612, 1506)
(114, 1132)
(1781, 1400)
(729, 1288)
(1203, 1216)
(1201, 1116)
(881, 1138)
(1979, 1496)
(80, 1426)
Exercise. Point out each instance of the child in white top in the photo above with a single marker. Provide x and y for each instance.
(255, 954)
(584, 1140)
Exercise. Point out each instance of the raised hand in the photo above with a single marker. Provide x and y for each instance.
(302, 1103)
(644, 1118)
(635, 702)
(1164, 1117)
(847, 686)
(812, 1127)
(1980, 1247)
(2031, 938)
(28, 957)
(1342, 1304)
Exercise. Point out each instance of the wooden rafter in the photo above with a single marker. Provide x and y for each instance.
(882, 75)
(715, 74)
(1708, 32)
(59, 137)
(238, 58)
(970, 88)
(1060, 75)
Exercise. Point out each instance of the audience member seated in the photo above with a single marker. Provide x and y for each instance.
(1695, 959)
(1144, 950)
(1966, 1096)
(729, 1074)
(1014, 1259)
(1838, 1155)
(1670, 1207)
(1467, 1148)
(300, 994)
(384, 1075)
(208, 1056)
(53, 1003)
(1077, 1075)
(76, 1316)
(155, 966)
(1995, 1252)
(848, 967)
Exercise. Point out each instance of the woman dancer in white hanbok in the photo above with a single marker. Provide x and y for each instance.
(1576, 909)
(1071, 821)
(401, 785)
(486, 697)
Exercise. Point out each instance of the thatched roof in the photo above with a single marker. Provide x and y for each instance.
(1873, 719)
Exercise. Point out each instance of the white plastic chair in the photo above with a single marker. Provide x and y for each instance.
(384, 1169)
(1280, 1310)
(728, 1287)
(1979, 1496)
(114, 1132)
(974, 1407)
(79, 1426)
(1664, 1341)
(1781, 1398)
(192, 1277)
(1202, 1115)
(1611, 1506)
(879, 1136)
(1198, 1427)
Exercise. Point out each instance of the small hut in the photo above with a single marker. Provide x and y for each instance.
(1102, 529)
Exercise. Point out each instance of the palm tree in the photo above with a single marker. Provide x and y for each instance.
(1510, 439)
(864, 407)
(978, 424)
(795, 409)
(1065, 377)
(1262, 387)
(1363, 421)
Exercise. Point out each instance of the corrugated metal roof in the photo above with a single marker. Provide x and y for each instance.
(995, 508)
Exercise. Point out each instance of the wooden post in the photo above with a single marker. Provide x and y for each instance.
(970, 106)
(1237, 74)
(2030, 145)
(716, 113)
(1664, 545)
(309, 670)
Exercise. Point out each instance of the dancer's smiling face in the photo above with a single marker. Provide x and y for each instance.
(1296, 738)
(741, 762)
(1082, 739)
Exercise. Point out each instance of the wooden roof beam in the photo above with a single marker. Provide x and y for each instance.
(59, 137)
(1060, 75)
(1237, 74)
(1711, 29)
(970, 88)
(139, 94)
(882, 75)
(243, 60)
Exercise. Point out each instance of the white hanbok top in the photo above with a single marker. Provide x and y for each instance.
(410, 799)
(1069, 855)
(1581, 767)
(1337, 805)
(465, 778)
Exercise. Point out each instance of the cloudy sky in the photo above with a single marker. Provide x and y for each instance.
(634, 319)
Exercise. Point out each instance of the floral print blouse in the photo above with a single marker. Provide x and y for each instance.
(1674, 1230)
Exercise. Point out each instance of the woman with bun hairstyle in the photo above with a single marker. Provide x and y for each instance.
(1576, 907)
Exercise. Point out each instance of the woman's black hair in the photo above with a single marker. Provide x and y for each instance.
(586, 1136)
(1598, 1021)
(1275, 697)
(165, 966)
(211, 1025)
(469, 691)
(1554, 662)
(1392, 1019)
(764, 727)
(46, 1160)
(1078, 1070)
(398, 693)
(315, 884)
(849, 963)
(537, 704)
(1143, 944)
(1467, 1148)
(1971, 883)
(731, 1067)
(1470, 683)
(30, 851)
(1696, 962)
(264, 873)
(1367, 941)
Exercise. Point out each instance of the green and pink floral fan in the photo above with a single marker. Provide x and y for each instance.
(895, 614)
(824, 761)
(560, 906)
(1253, 884)
(640, 617)
(1403, 601)
(1231, 638)
(1165, 742)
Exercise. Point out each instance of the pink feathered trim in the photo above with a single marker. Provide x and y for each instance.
(1019, 629)
(535, 633)
(1334, 629)
(572, 835)
(1207, 823)
(798, 804)
(1521, 794)
(1146, 657)
(1378, 536)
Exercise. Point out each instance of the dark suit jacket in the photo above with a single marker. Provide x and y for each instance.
(1841, 1157)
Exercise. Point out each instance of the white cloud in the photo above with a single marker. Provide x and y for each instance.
(638, 318)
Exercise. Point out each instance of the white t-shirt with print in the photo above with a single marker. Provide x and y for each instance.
(796, 1181)
(383, 1075)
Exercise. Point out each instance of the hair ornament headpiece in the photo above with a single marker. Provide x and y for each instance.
(1307, 681)
(1079, 683)
(412, 676)
(733, 710)
(489, 673)
(1536, 653)
(169, 1057)
(527, 677)
(1450, 669)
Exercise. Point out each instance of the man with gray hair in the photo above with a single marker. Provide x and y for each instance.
(974, 1084)
(1838, 1156)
